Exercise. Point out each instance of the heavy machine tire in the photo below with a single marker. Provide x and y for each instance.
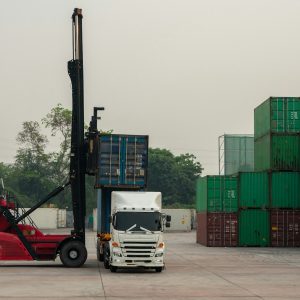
(158, 270)
(113, 269)
(73, 254)
(106, 254)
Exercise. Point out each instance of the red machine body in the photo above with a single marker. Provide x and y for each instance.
(46, 246)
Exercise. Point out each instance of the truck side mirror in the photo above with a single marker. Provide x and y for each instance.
(169, 218)
(168, 225)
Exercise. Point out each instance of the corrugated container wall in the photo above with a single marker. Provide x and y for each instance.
(254, 227)
(181, 219)
(277, 115)
(217, 194)
(285, 228)
(62, 218)
(238, 154)
(122, 161)
(277, 152)
(285, 190)
(254, 190)
(44, 218)
(217, 229)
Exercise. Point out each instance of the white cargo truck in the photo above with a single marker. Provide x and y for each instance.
(136, 232)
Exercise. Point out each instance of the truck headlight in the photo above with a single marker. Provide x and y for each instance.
(117, 252)
(159, 254)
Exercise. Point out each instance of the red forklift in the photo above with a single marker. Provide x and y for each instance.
(22, 241)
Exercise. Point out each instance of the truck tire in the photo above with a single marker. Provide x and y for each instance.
(113, 269)
(100, 256)
(106, 255)
(73, 254)
(158, 270)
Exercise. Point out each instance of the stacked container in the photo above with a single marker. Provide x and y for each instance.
(277, 152)
(265, 203)
(253, 214)
(217, 205)
(276, 135)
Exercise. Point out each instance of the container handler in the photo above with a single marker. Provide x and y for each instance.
(21, 241)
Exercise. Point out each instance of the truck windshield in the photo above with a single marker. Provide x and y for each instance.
(147, 220)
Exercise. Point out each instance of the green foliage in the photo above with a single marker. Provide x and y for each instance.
(174, 176)
(37, 172)
(59, 120)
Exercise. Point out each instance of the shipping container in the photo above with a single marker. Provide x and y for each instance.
(254, 190)
(277, 152)
(217, 229)
(62, 218)
(236, 153)
(285, 189)
(181, 219)
(122, 161)
(277, 115)
(285, 228)
(254, 227)
(217, 194)
(44, 218)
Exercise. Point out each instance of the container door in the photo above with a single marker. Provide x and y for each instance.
(134, 152)
(254, 227)
(109, 160)
(230, 195)
(293, 115)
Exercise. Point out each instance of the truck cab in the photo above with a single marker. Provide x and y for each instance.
(136, 231)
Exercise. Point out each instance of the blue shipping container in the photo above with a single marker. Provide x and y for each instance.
(122, 161)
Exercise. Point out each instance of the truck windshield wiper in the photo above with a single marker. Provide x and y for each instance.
(147, 230)
(133, 226)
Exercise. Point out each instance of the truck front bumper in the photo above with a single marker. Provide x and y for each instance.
(135, 262)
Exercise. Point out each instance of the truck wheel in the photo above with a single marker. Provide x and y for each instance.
(106, 255)
(100, 257)
(113, 269)
(73, 254)
(158, 270)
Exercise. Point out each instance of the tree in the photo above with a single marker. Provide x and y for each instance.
(59, 120)
(174, 176)
(32, 163)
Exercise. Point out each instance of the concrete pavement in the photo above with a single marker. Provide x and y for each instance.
(192, 272)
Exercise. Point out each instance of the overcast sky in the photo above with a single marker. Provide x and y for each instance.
(182, 71)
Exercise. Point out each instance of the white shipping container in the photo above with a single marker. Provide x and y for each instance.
(95, 219)
(181, 219)
(194, 218)
(44, 218)
(62, 218)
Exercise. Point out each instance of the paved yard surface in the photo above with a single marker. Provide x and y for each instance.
(193, 272)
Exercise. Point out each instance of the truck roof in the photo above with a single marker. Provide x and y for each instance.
(148, 201)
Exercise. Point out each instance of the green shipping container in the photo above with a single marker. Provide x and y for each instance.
(277, 115)
(237, 152)
(285, 190)
(217, 194)
(254, 227)
(277, 152)
(254, 190)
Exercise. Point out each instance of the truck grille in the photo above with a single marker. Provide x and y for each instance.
(138, 250)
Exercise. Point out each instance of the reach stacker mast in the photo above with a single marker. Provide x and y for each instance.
(22, 241)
